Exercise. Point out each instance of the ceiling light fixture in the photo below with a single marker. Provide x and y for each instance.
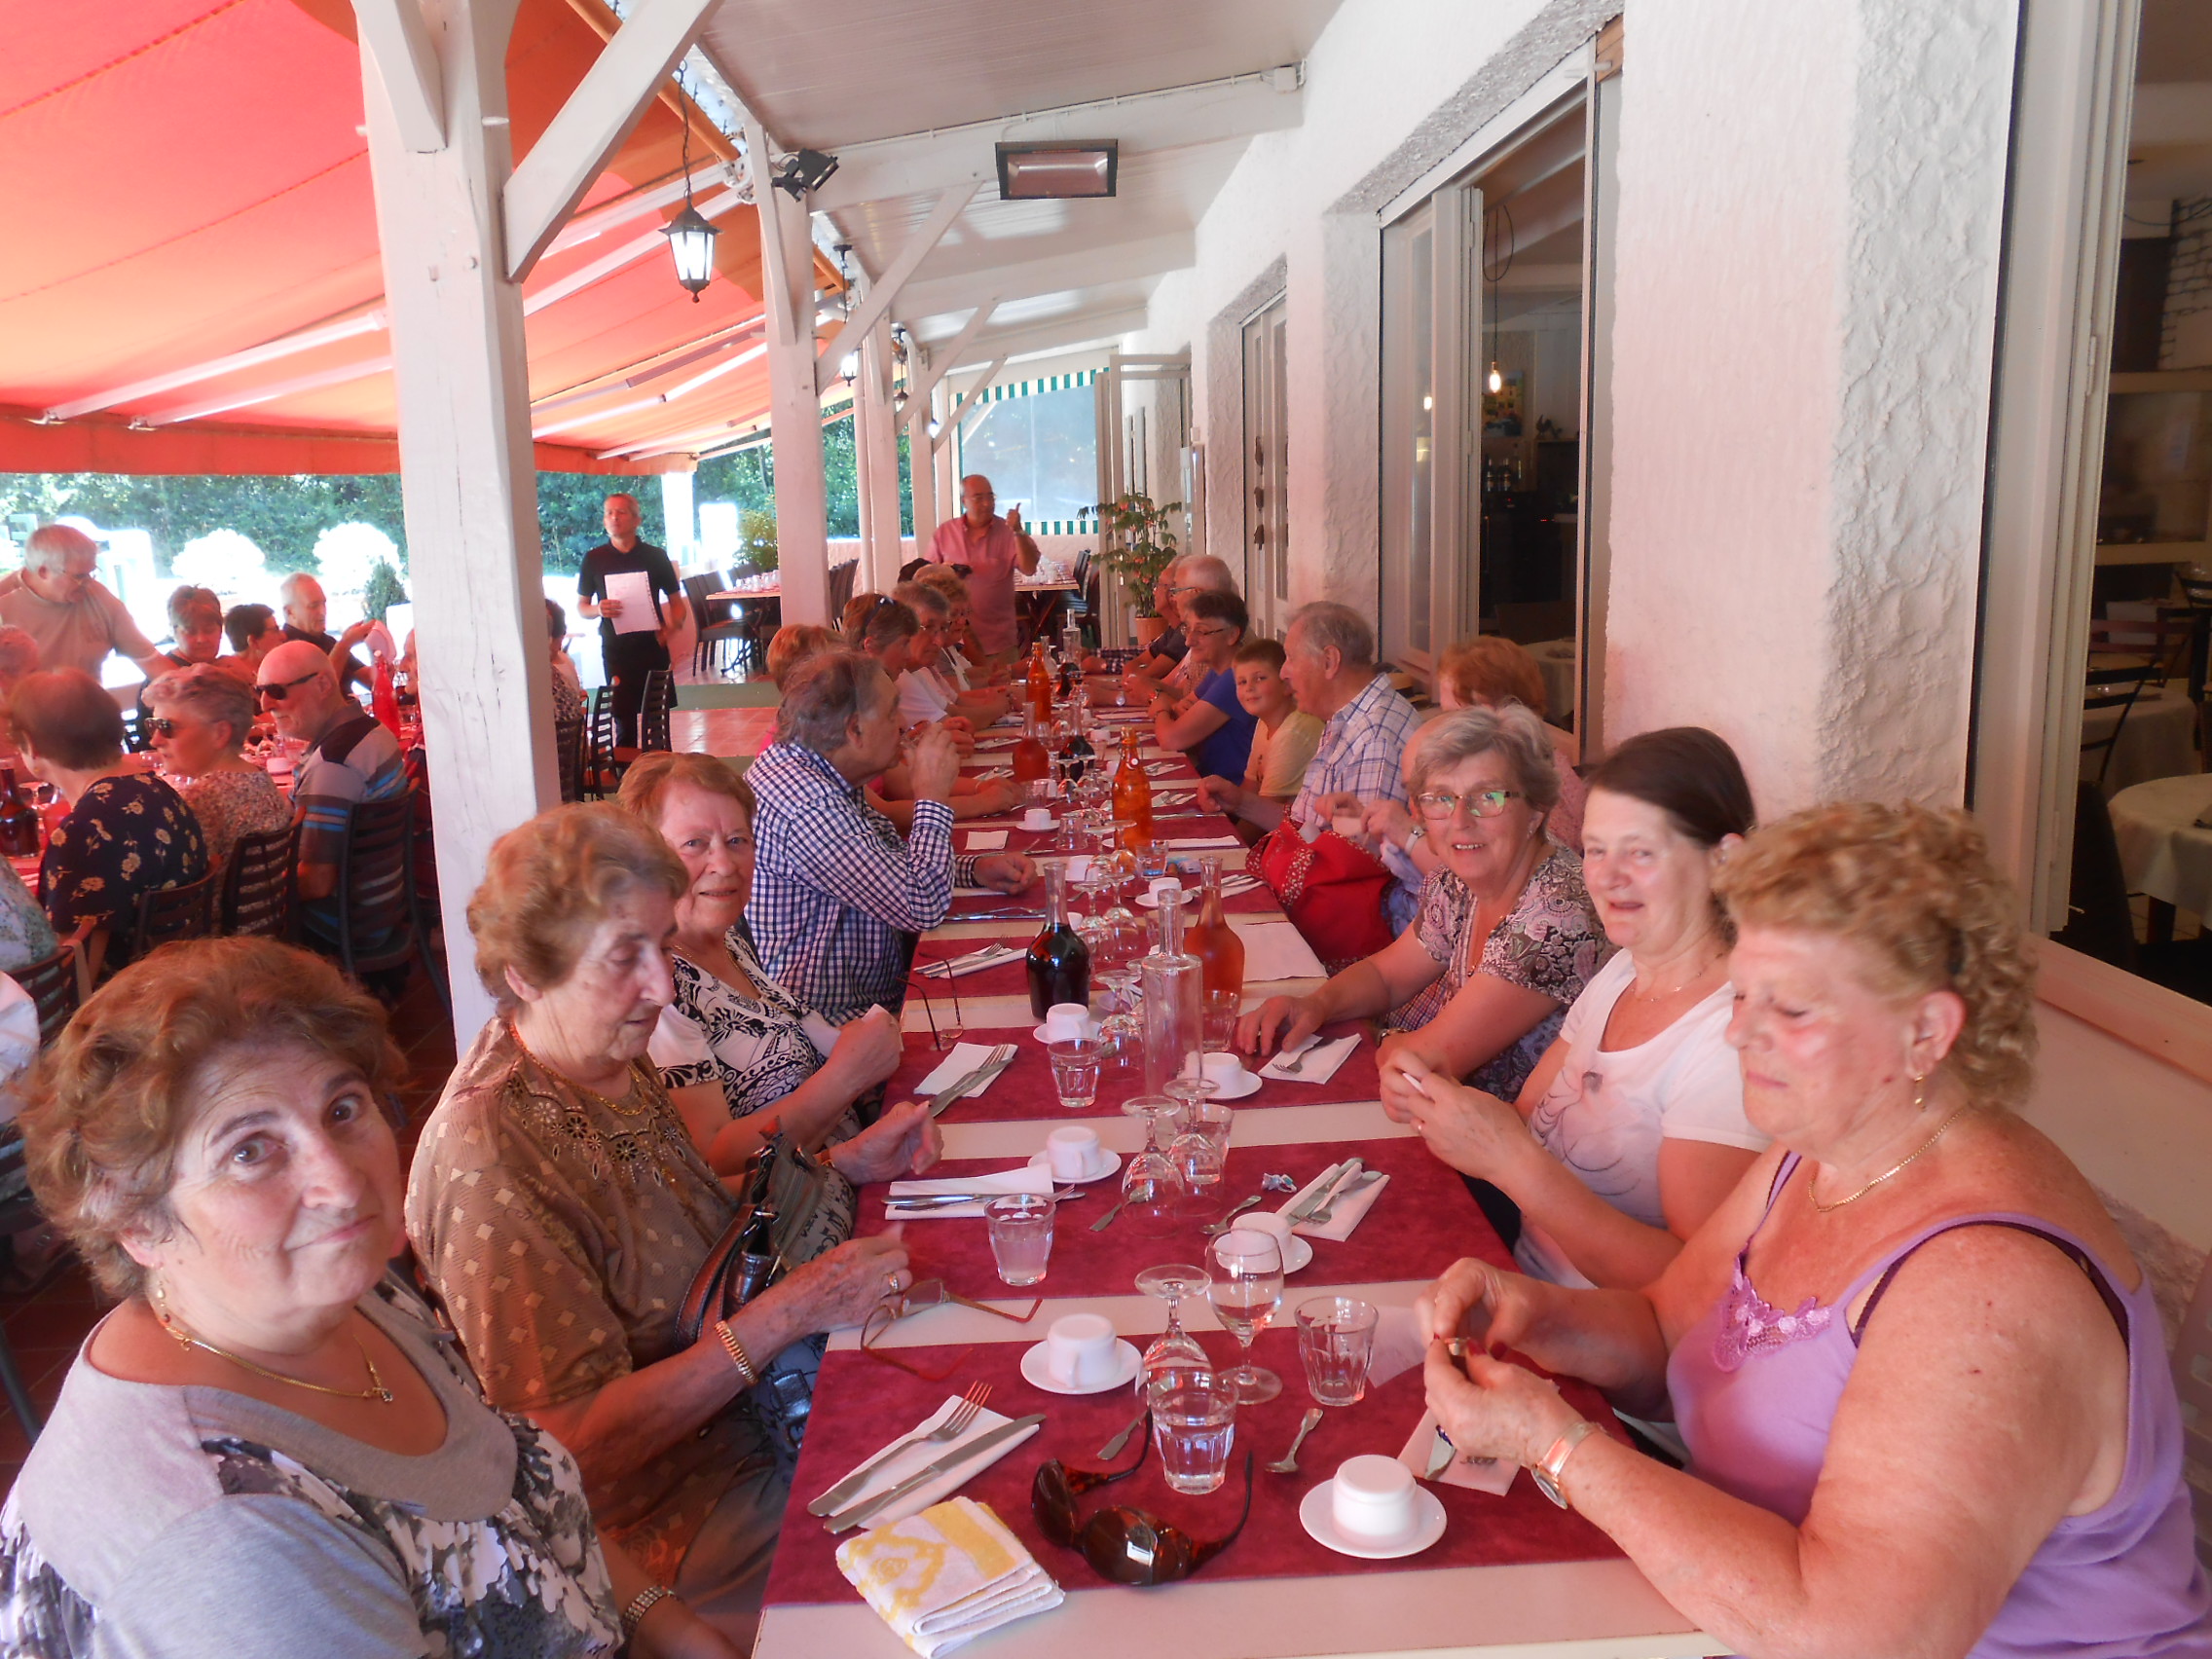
(1494, 273)
(691, 238)
(1063, 169)
(808, 170)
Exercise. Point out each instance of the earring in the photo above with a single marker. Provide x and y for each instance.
(1919, 1091)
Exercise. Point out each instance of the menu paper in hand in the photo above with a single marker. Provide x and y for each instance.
(946, 1576)
(1030, 1178)
(634, 590)
(1317, 1062)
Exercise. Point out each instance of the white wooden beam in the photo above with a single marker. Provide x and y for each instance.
(467, 472)
(967, 400)
(795, 404)
(1073, 328)
(884, 289)
(1060, 264)
(403, 60)
(879, 433)
(922, 377)
(592, 125)
(941, 360)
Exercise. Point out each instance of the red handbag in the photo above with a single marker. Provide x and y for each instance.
(1331, 889)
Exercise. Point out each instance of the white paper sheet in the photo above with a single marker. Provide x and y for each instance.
(1275, 950)
(633, 589)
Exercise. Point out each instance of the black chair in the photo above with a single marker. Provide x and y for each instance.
(603, 762)
(51, 983)
(375, 923)
(569, 756)
(18, 1215)
(2112, 687)
(655, 707)
(841, 589)
(715, 619)
(2098, 922)
(186, 910)
(257, 887)
(1082, 604)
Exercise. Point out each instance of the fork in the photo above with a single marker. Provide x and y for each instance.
(951, 1428)
(1357, 1184)
(1292, 1067)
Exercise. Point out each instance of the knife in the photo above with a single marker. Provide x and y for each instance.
(975, 1082)
(945, 1200)
(847, 1519)
(944, 1097)
(1329, 1184)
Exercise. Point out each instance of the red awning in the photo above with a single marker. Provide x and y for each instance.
(186, 180)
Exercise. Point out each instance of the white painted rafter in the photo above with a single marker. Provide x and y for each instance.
(968, 400)
(397, 42)
(885, 289)
(943, 360)
(1093, 262)
(369, 322)
(626, 76)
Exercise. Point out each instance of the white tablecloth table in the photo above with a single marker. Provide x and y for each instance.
(2158, 740)
(2162, 851)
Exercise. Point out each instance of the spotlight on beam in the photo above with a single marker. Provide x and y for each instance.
(809, 169)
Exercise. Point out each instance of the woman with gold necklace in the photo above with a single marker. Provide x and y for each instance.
(1923, 1383)
(268, 1447)
(1631, 1129)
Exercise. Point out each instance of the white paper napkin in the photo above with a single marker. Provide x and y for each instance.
(975, 962)
(1319, 1064)
(964, 1058)
(986, 840)
(1345, 1215)
(1275, 950)
(1484, 1474)
(1036, 1179)
(915, 1458)
(1202, 843)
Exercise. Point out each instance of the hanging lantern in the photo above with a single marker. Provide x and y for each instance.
(899, 401)
(691, 239)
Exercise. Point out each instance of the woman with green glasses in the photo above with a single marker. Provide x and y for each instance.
(1506, 936)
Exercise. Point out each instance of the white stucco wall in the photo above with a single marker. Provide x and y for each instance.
(1810, 212)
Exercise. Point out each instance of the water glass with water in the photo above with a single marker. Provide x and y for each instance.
(1194, 1424)
(1075, 1071)
(1336, 1340)
(1021, 1236)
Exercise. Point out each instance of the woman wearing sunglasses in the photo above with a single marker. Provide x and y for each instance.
(1507, 938)
(200, 718)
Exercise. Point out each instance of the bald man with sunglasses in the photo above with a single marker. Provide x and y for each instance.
(350, 757)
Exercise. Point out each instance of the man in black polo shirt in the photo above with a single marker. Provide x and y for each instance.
(629, 657)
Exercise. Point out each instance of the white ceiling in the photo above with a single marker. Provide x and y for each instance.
(912, 100)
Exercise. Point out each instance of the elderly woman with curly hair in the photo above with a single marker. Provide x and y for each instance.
(560, 1210)
(200, 718)
(268, 1447)
(1910, 1350)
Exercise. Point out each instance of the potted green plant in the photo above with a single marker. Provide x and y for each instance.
(1135, 544)
(756, 541)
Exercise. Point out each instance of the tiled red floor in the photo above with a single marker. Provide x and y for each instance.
(46, 1329)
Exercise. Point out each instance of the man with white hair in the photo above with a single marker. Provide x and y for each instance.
(75, 620)
(350, 757)
(307, 607)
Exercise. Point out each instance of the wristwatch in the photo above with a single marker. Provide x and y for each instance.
(1548, 1468)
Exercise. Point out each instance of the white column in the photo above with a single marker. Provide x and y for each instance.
(921, 464)
(795, 409)
(680, 513)
(880, 478)
(466, 468)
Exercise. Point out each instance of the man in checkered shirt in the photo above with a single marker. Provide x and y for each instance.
(838, 895)
(1329, 661)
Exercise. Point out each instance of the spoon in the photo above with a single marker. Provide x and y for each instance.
(1222, 1225)
(1107, 1220)
(1288, 1463)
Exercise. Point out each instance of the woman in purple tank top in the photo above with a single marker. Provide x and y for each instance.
(1922, 1381)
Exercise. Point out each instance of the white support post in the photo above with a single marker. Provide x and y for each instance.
(921, 389)
(943, 457)
(880, 434)
(876, 306)
(598, 116)
(466, 468)
(400, 55)
(794, 406)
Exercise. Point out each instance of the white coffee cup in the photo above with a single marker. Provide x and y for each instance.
(1071, 1152)
(1372, 1497)
(1079, 1352)
(1277, 1228)
(1067, 1022)
(1223, 1069)
(1037, 818)
(1167, 889)
(1078, 867)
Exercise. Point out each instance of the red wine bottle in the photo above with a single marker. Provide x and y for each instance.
(1060, 962)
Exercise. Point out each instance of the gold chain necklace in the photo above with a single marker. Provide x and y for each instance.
(1893, 1169)
(375, 1390)
(616, 1106)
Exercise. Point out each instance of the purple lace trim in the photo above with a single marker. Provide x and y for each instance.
(1749, 1324)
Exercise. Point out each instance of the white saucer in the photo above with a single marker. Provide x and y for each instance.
(1107, 1164)
(1152, 903)
(1033, 1372)
(1299, 1255)
(1316, 1513)
(1251, 1085)
(1091, 1029)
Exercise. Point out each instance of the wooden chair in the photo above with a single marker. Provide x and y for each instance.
(257, 887)
(186, 910)
(375, 912)
(2193, 1382)
(51, 983)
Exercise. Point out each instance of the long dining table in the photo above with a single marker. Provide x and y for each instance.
(1511, 1576)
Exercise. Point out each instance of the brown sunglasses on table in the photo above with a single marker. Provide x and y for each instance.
(1128, 1546)
(929, 1293)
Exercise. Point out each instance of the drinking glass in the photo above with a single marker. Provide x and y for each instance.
(1336, 1340)
(1246, 1294)
(1021, 1236)
(1172, 1282)
(1193, 1422)
(1151, 862)
(1201, 1150)
(1221, 1011)
(1075, 1071)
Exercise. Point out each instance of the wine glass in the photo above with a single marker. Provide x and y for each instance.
(1246, 1294)
(1121, 947)
(1153, 1194)
(1201, 1150)
(1172, 1282)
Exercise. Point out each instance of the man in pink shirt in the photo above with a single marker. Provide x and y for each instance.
(992, 548)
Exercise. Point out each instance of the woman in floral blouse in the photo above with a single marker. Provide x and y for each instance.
(127, 832)
(201, 717)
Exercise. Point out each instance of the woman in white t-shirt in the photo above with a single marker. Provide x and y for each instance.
(1631, 1128)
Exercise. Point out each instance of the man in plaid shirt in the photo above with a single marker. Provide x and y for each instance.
(838, 895)
(1329, 661)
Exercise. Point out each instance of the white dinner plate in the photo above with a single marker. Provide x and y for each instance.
(1107, 1164)
(1033, 1372)
(1316, 1513)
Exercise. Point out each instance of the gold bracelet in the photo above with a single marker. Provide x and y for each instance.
(641, 1603)
(737, 1354)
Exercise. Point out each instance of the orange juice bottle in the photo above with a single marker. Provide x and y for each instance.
(1133, 796)
(1212, 940)
(1031, 760)
(1040, 683)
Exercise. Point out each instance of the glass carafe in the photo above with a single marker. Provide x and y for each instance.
(1174, 1007)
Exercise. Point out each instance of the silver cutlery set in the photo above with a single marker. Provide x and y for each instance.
(977, 1081)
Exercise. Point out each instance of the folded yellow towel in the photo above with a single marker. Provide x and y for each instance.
(946, 1575)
